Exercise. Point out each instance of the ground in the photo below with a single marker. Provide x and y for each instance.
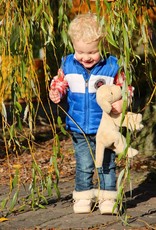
(58, 213)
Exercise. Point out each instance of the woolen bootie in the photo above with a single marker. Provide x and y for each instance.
(83, 201)
(107, 200)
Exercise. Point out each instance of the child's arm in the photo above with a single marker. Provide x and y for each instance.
(58, 87)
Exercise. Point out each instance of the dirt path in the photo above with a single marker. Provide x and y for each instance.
(58, 214)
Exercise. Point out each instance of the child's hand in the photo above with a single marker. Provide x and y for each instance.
(117, 107)
(54, 95)
(58, 87)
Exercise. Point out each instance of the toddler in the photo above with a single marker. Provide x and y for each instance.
(80, 75)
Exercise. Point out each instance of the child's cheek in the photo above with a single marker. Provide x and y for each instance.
(77, 57)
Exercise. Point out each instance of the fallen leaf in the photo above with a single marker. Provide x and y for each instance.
(2, 219)
(17, 166)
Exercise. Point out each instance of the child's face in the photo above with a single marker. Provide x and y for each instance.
(87, 53)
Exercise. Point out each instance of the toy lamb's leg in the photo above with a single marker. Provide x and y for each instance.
(131, 152)
(99, 154)
(104, 138)
(121, 145)
(103, 141)
(133, 121)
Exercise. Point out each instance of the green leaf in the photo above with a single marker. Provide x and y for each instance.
(12, 131)
(14, 200)
(120, 177)
(18, 106)
(64, 37)
(111, 39)
(19, 123)
(41, 206)
(49, 185)
(38, 11)
(4, 111)
(15, 180)
(46, 16)
(55, 166)
(88, 3)
(59, 122)
(60, 15)
(43, 26)
(120, 193)
(57, 189)
(23, 71)
(4, 203)
(43, 198)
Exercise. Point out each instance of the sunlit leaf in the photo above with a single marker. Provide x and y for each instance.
(4, 112)
(15, 179)
(49, 185)
(17, 166)
(2, 219)
(41, 206)
(59, 121)
(14, 200)
(120, 177)
(60, 15)
(57, 189)
(4, 202)
(18, 106)
(38, 11)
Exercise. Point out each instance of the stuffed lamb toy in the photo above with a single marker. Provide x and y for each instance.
(108, 134)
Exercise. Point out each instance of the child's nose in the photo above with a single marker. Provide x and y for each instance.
(87, 58)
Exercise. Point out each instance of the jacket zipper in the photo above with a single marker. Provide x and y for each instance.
(87, 106)
(86, 83)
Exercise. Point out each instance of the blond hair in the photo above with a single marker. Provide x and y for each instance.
(85, 27)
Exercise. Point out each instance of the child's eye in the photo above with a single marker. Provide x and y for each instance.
(94, 52)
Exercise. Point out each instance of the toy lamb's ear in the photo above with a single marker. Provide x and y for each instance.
(106, 107)
(116, 91)
(102, 102)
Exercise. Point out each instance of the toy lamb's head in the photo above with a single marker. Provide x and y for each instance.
(106, 95)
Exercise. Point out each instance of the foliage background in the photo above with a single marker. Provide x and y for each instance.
(33, 38)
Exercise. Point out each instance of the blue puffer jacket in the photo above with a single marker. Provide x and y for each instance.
(83, 108)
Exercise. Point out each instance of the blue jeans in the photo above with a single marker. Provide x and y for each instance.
(85, 165)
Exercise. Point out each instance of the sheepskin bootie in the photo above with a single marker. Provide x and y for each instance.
(107, 201)
(83, 201)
